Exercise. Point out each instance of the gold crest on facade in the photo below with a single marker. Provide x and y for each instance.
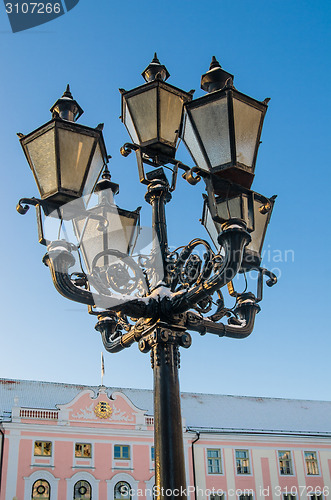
(103, 410)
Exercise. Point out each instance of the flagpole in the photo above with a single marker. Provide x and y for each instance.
(102, 368)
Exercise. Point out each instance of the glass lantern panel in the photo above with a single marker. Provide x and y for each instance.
(260, 226)
(192, 145)
(116, 236)
(246, 123)
(75, 151)
(171, 107)
(213, 228)
(42, 154)
(131, 232)
(231, 208)
(129, 125)
(143, 111)
(212, 123)
(96, 166)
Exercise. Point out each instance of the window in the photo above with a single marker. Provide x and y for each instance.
(315, 497)
(152, 454)
(122, 452)
(289, 497)
(42, 448)
(285, 462)
(82, 491)
(245, 497)
(214, 461)
(242, 462)
(122, 491)
(311, 463)
(217, 497)
(83, 450)
(40, 490)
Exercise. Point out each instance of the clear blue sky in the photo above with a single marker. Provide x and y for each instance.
(278, 49)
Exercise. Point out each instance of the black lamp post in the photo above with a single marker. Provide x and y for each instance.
(135, 299)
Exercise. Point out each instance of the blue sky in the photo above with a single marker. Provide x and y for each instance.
(278, 49)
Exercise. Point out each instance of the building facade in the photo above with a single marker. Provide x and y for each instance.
(61, 442)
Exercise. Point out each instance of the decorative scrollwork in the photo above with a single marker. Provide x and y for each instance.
(188, 267)
(191, 270)
(115, 271)
(120, 279)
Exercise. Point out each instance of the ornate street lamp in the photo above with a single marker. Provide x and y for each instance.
(222, 129)
(251, 207)
(152, 113)
(133, 299)
(66, 158)
(106, 230)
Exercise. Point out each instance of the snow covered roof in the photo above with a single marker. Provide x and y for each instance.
(204, 412)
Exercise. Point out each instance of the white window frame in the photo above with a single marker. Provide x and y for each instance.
(151, 462)
(43, 460)
(292, 473)
(127, 478)
(250, 473)
(318, 464)
(122, 463)
(220, 458)
(82, 476)
(81, 443)
(42, 475)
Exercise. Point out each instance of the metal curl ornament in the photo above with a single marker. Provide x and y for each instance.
(124, 276)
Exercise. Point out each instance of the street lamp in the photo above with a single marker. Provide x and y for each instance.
(222, 129)
(66, 158)
(136, 300)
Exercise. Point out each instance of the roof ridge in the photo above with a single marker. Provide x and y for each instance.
(95, 387)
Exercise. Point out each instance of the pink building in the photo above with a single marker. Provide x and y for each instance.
(63, 442)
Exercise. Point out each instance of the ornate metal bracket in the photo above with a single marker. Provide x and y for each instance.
(246, 311)
(149, 157)
(22, 208)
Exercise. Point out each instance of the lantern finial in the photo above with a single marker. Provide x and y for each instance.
(214, 63)
(215, 78)
(155, 71)
(66, 107)
(67, 92)
(105, 183)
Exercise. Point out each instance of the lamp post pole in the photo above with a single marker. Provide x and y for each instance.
(137, 299)
(164, 342)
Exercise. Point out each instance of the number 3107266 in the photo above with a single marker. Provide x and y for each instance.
(33, 8)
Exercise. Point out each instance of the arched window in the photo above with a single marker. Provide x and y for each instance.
(122, 491)
(41, 490)
(82, 491)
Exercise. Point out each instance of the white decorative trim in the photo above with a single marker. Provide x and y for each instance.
(43, 475)
(149, 488)
(12, 463)
(83, 476)
(122, 476)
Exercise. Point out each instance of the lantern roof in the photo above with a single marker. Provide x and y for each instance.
(215, 78)
(66, 107)
(155, 71)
